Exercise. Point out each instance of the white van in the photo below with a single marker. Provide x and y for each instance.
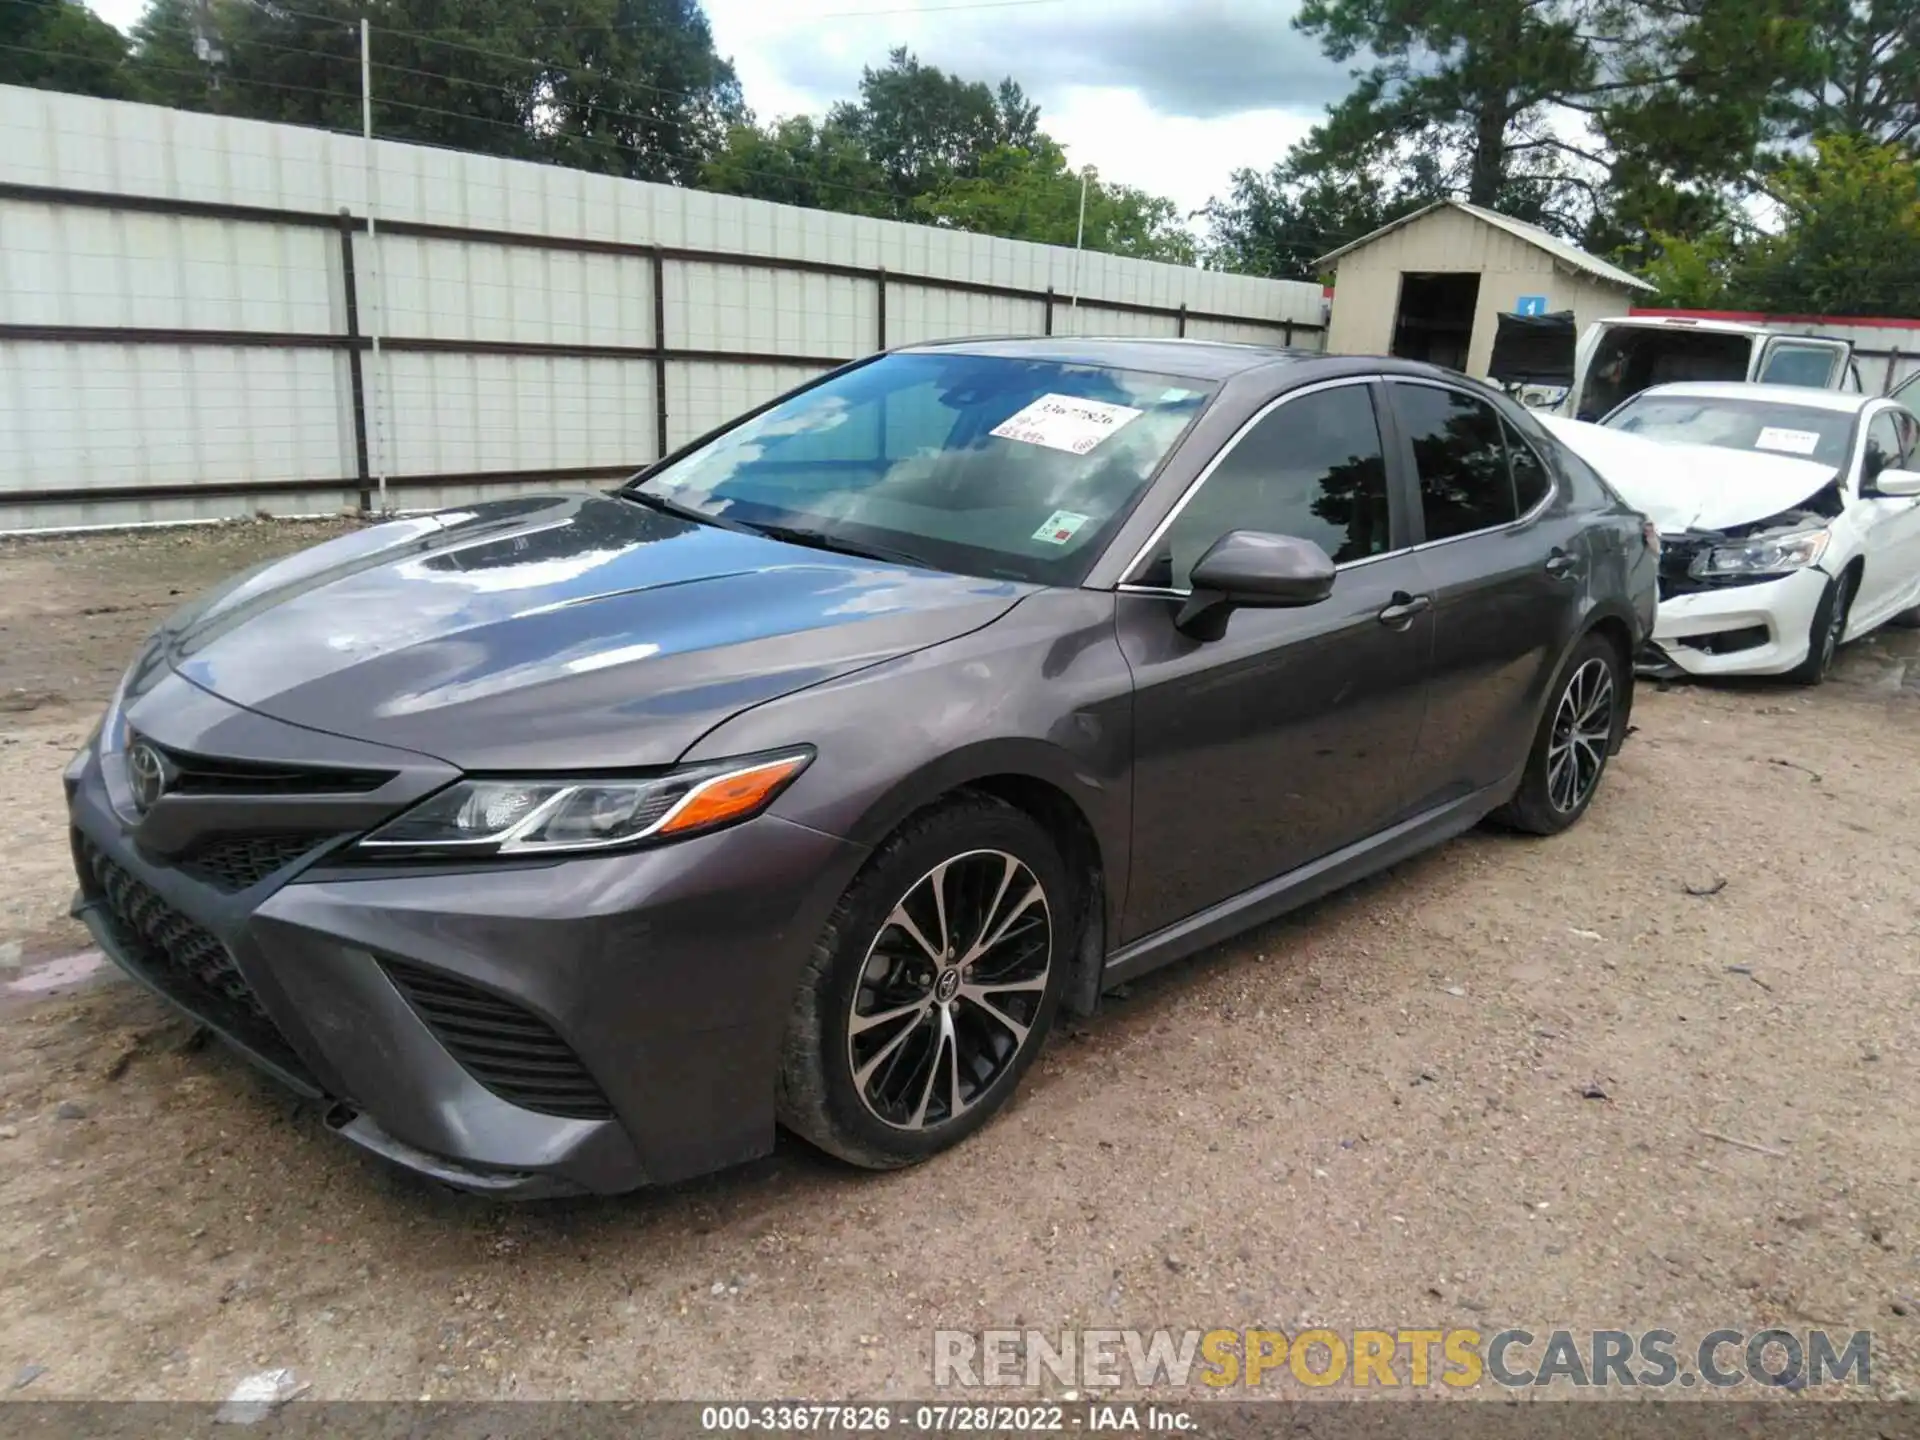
(1618, 358)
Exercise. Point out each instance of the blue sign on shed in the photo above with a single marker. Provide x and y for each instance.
(1530, 305)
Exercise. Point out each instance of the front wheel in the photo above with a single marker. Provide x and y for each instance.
(1571, 747)
(1829, 625)
(932, 987)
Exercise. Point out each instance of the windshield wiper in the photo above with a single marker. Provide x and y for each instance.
(683, 512)
(822, 540)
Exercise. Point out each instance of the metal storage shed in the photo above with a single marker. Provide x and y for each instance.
(1432, 285)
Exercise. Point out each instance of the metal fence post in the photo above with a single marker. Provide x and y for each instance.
(1181, 333)
(1049, 329)
(660, 354)
(362, 469)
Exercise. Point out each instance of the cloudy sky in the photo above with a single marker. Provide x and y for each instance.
(1169, 95)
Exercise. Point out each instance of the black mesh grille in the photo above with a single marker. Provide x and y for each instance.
(217, 775)
(183, 958)
(512, 1052)
(234, 863)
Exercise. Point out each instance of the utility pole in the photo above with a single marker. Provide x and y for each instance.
(1079, 237)
(375, 313)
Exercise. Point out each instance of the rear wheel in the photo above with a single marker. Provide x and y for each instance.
(1571, 748)
(931, 989)
(1829, 624)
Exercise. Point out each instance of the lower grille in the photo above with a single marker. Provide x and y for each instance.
(181, 957)
(511, 1051)
(234, 863)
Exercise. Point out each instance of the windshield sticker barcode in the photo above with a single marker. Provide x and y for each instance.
(1065, 422)
(1061, 526)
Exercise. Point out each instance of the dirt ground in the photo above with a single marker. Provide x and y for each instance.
(1374, 1113)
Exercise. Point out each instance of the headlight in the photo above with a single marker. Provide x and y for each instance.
(547, 814)
(1764, 555)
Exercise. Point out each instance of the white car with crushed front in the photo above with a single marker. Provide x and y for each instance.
(1788, 519)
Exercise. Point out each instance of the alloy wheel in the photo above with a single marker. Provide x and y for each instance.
(1582, 730)
(950, 989)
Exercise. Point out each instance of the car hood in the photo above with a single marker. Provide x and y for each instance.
(1692, 487)
(553, 631)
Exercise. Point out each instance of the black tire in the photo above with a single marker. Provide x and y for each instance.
(1829, 624)
(1545, 804)
(866, 960)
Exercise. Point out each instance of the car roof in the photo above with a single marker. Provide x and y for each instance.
(1216, 360)
(1804, 396)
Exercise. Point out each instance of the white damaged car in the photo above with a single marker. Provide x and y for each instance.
(1788, 519)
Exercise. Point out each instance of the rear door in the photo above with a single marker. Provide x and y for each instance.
(1803, 360)
(1289, 736)
(1505, 561)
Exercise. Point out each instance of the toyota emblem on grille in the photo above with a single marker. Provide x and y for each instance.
(148, 773)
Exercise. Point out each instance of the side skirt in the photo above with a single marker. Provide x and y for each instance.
(1307, 883)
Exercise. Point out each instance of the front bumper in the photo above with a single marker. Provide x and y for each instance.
(1765, 628)
(641, 995)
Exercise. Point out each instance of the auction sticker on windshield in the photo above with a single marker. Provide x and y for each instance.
(1793, 442)
(1064, 422)
(1061, 527)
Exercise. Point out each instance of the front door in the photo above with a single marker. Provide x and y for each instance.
(1506, 564)
(1288, 737)
(1889, 524)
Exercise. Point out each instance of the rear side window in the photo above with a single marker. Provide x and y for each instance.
(1530, 479)
(1460, 452)
(1313, 468)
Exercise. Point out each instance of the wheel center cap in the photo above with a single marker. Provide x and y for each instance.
(947, 985)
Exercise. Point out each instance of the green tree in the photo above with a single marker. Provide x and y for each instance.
(61, 45)
(1278, 223)
(629, 87)
(1848, 242)
(1028, 193)
(924, 127)
(798, 161)
(1474, 83)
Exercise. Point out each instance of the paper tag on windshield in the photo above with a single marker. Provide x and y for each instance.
(1061, 527)
(1793, 442)
(1063, 422)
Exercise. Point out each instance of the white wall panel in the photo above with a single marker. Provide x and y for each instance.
(770, 312)
(105, 415)
(74, 416)
(463, 414)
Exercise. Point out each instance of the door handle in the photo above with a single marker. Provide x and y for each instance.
(1399, 615)
(1560, 563)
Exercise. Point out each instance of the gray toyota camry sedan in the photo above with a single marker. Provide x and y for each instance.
(571, 843)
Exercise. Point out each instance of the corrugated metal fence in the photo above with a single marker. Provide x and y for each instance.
(196, 318)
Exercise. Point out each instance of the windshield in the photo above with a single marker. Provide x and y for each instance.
(983, 465)
(1799, 432)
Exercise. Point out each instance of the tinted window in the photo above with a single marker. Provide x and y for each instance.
(1799, 365)
(1883, 445)
(980, 464)
(1461, 456)
(1530, 480)
(1313, 468)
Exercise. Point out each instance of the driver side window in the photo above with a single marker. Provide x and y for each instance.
(1312, 468)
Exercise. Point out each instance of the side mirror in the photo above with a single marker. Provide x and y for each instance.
(1891, 481)
(1254, 570)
